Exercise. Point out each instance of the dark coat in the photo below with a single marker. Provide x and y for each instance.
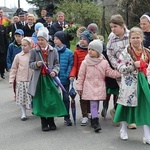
(27, 31)
(146, 41)
(3, 48)
(42, 20)
(46, 25)
(13, 27)
(53, 64)
(19, 25)
(3, 39)
(56, 27)
(51, 42)
(110, 82)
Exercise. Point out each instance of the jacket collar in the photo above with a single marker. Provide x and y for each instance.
(50, 48)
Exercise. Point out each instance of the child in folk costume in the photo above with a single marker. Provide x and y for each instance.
(91, 79)
(47, 102)
(133, 100)
(21, 72)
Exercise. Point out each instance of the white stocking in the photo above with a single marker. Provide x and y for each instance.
(146, 131)
(124, 126)
(23, 109)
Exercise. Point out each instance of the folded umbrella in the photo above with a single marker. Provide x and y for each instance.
(72, 94)
(105, 107)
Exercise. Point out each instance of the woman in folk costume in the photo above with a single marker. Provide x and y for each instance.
(145, 26)
(133, 101)
(47, 102)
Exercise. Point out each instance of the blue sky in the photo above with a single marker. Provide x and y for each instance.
(12, 3)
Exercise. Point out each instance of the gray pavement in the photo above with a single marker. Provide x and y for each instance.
(18, 135)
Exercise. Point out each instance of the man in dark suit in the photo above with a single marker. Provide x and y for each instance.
(22, 21)
(58, 26)
(49, 21)
(17, 24)
(12, 28)
(48, 24)
(43, 14)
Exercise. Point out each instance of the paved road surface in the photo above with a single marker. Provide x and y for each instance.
(18, 135)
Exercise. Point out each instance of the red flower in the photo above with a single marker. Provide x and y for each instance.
(119, 61)
(143, 67)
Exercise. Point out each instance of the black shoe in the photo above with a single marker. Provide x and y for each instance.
(91, 122)
(96, 125)
(3, 76)
(23, 118)
(68, 122)
(44, 124)
(45, 128)
(51, 123)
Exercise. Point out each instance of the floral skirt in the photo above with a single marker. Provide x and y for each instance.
(140, 115)
(47, 101)
(22, 97)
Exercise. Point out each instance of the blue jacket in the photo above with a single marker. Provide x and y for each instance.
(66, 63)
(34, 37)
(13, 49)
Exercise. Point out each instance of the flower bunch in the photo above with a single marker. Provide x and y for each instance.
(71, 29)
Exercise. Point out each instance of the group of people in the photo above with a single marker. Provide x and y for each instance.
(120, 68)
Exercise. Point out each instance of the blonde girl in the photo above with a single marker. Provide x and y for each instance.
(133, 100)
(20, 70)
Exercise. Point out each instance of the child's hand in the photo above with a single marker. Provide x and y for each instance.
(52, 74)
(137, 64)
(71, 78)
(39, 63)
(148, 79)
(79, 92)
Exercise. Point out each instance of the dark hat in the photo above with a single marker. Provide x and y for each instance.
(25, 12)
(61, 35)
(22, 13)
(93, 27)
(49, 15)
(19, 31)
(87, 35)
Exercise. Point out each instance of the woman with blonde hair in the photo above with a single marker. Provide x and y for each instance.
(133, 100)
(29, 27)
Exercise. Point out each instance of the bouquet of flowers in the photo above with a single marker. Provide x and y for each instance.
(71, 29)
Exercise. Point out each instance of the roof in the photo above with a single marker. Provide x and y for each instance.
(6, 9)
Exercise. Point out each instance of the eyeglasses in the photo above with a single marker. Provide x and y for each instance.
(135, 38)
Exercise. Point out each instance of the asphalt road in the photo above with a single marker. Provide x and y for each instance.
(18, 135)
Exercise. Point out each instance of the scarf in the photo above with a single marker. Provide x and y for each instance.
(93, 61)
(61, 49)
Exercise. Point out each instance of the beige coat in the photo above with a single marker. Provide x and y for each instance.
(20, 68)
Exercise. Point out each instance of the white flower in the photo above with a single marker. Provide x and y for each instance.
(66, 26)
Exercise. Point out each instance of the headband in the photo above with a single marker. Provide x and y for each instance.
(146, 17)
(27, 39)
